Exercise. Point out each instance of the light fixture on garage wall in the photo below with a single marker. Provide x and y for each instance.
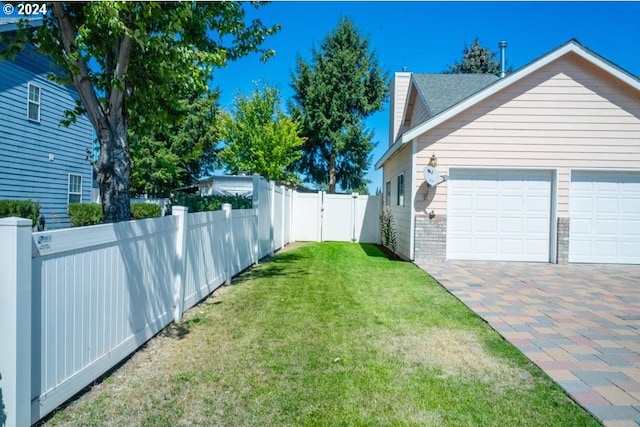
(433, 161)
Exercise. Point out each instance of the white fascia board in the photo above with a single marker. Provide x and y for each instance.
(515, 77)
(390, 152)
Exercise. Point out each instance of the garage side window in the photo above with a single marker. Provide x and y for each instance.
(387, 193)
(400, 194)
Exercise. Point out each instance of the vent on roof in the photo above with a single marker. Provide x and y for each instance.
(503, 60)
(405, 69)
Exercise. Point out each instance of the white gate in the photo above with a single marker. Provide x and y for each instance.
(336, 217)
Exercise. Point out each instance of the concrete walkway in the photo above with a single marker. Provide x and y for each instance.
(579, 323)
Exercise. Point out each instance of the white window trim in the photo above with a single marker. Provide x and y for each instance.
(29, 101)
(398, 187)
(387, 193)
(69, 192)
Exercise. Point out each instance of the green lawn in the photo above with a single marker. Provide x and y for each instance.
(328, 334)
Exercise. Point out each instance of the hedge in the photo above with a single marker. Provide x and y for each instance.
(83, 214)
(20, 208)
(198, 203)
(145, 210)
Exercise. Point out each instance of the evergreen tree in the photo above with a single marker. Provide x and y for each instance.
(476, 59)
(335, 92)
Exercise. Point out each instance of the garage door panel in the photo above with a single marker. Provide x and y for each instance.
(512, 204)
(487, 225)
(507, 213)
(511, 225)
(604, 210)
(537, 226)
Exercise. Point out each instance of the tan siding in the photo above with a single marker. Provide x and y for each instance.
(399, 163)
(420, 112)
(566, 115)
(398, 95)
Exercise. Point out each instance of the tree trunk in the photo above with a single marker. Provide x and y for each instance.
(114, 171)
(332, 173)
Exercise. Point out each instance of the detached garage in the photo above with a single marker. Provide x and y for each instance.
(542, 165)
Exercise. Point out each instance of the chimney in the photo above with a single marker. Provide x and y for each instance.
(503, 60)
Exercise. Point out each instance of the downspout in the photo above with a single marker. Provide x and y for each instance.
(503, 60)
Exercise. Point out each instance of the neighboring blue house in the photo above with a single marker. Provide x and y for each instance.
(40, 159)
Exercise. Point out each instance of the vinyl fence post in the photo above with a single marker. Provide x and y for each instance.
(255, 198)
(272, 236)
(15, 320)
(292, 194)
(180, 270)
(227, 243)
(283, 215)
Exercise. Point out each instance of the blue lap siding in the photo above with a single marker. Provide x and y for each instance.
(36, 158)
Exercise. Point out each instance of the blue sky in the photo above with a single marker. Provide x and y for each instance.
(428, 36)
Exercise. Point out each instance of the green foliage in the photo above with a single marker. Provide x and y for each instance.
(145, 210)
(388, 231)
(175, 153)
(198, 203)
(335, 92)
(476, 60)
(138, 62)
(260, 138)
(21, 209)
(83, 214)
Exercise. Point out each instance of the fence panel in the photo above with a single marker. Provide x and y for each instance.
(306, 216)
(367, 218)
(205, 263)
(99, 293)
(243, 241)
(337, 217)
(265, 229)
(278, 217)
(288, 208)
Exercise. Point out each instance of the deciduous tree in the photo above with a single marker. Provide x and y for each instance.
(335, 92)
(139, 59)
(260, 138)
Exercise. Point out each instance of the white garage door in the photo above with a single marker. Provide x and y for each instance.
(604, 212)
(501, 215)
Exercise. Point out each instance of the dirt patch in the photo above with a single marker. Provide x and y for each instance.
(459, 354)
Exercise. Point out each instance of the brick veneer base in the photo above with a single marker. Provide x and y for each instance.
(562, 253)
(431, 238)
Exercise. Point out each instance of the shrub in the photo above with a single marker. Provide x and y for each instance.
(81, 214)
(145, 210)
(20, 208)
(198, 203)
(389, 238)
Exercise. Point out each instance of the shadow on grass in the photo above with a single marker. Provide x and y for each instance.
(284, 264)
(378, 251)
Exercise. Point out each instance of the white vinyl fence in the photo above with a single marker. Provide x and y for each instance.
(75, 302)
(336, 217)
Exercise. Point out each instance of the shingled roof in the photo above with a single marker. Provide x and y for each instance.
(442, 91)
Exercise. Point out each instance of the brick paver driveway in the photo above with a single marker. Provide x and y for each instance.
(579, 323)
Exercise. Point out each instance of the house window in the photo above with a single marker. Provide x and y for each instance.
(33, 103)
(400, 197)
(75, 188)
(387, 193)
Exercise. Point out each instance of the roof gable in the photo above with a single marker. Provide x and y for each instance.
(571, 47)
(442, 91)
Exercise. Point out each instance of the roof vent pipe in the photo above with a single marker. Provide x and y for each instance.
(503, 49)
(405, 69)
